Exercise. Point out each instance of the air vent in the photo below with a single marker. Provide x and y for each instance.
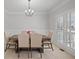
(61, 49)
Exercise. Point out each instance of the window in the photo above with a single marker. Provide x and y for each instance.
(66, 29)
(60, 29)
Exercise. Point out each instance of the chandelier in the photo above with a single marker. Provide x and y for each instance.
(29, 11)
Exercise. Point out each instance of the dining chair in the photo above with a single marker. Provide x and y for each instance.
(36, 42)
(6, 39)
(9, 41)
(23, 42)
(46, 40)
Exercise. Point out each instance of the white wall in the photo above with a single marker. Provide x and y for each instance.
(17, 21)
(62, 9)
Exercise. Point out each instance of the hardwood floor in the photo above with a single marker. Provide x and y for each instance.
(48, 54)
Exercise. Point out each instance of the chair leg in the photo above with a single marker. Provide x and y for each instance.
(15, 48)
(48, 44)
(51, 47)
(31, 52)
(28, 52)
(40, 53)
(18, 52)
(7, 46)
(43, 45)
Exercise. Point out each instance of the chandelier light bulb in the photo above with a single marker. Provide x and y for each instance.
(29, 11)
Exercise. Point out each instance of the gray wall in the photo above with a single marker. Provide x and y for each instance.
(17, 22)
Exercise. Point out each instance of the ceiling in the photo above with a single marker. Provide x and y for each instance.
(37, 5)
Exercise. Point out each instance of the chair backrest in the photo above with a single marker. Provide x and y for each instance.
(36, 40)
(23, 39)
(7, 36)
(50, 34)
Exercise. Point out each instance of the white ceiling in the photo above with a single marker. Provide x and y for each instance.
(37, 5)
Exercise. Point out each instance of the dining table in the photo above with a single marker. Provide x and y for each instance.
(15, 38)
